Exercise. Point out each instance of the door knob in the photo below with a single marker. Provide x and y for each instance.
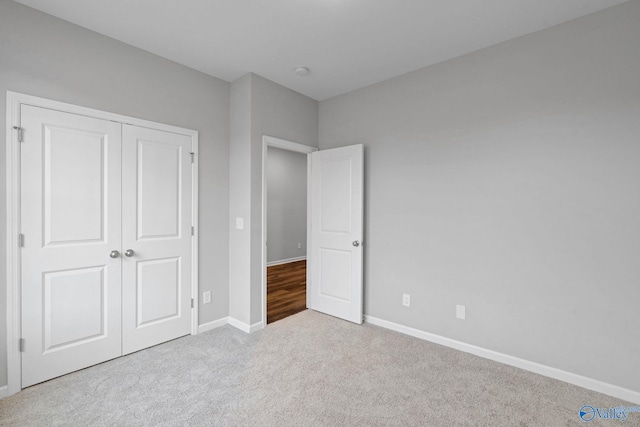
(114, 254)
(356, 243)
(129, 252)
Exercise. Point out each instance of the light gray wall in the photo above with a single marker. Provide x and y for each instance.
(264, 108)
(286, 204)
(47, 57)
(507, 180)
(240, 200)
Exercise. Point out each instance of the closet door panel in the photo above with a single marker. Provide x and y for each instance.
(156, 237)
(70, 219)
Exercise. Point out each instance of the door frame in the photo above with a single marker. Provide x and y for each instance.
(13, 259)
(269, 141)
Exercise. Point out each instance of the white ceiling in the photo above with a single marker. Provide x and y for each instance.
(347, 44)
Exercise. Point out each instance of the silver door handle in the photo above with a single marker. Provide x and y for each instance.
(356, 243)
(129, 252)
(114, 254)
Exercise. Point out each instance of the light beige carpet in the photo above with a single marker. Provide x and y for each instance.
(306, 370)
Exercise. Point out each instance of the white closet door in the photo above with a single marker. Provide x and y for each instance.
(335, 263)
(156, 221)
(70, 219)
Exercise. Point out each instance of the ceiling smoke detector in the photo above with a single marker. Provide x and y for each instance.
(302, 71)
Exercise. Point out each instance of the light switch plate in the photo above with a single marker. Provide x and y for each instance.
(239, 223)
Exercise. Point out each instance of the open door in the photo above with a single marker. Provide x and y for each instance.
(334, 279)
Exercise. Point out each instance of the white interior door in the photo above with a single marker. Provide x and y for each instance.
(335, 265)
(106, 214)
(70, 219)
(156, 224)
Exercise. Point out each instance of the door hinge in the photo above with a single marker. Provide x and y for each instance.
(191, 302)
(21, 345)
(21, 240)
(193, 230)
(193, 157)
(19, 129)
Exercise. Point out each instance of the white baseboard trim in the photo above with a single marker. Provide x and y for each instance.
(244, 327)
(212, 325)
(4, 391)
(286, 261)
(558, 374)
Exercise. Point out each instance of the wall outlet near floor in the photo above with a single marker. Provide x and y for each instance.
(299, 245)
(460, 312)
(406, 300)
(206, 297)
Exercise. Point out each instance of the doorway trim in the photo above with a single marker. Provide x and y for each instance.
(269, 141)
(13, 260)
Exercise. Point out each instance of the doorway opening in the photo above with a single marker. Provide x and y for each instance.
(284, 228)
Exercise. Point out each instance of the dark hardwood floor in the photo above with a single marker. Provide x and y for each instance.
(286, 290)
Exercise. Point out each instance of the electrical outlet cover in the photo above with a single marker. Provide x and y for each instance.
(406, 300)
(206, 297)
